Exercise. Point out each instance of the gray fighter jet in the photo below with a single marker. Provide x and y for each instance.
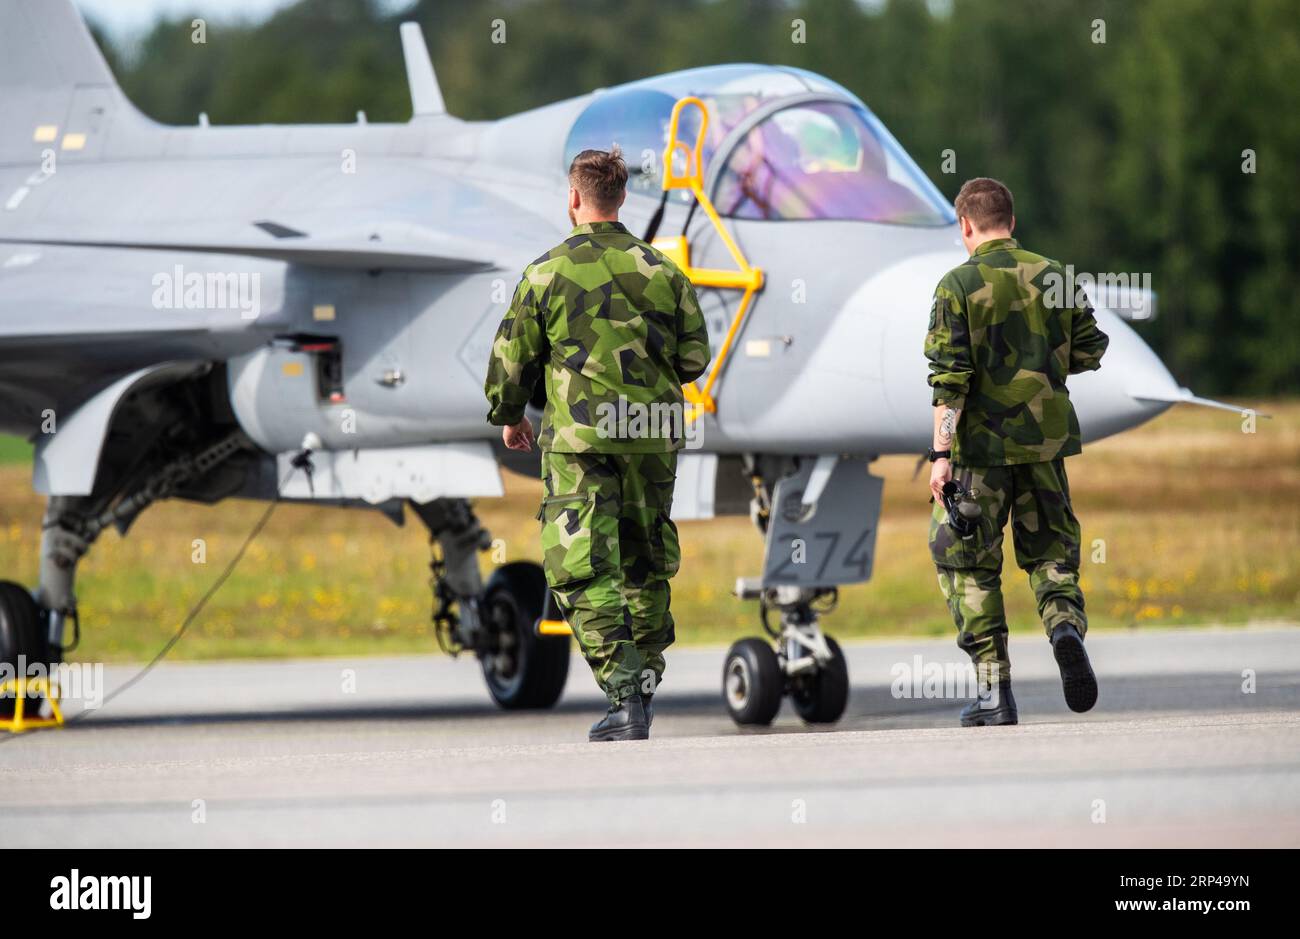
(206, 313)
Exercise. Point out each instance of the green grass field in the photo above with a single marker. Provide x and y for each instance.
(1200, 524)
(14, 450)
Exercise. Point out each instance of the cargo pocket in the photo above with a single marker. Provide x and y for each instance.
(668, 549)
(567, 538)
(949, 551)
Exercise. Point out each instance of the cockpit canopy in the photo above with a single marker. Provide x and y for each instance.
(792, 145)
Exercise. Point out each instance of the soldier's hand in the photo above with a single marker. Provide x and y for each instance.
(518, 436)
(940, 473)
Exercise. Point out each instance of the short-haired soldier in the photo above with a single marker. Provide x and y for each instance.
(614, 329)
(999, 355)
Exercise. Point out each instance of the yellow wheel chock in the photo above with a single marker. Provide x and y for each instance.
(746, 278)
(553, 627)
(20, 688)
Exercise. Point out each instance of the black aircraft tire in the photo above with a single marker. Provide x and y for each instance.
(752, 683)
(20, 634)
(537, 667)
(821, 697)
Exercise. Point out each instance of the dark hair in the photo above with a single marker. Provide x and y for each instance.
(600, 176)
(986, 202)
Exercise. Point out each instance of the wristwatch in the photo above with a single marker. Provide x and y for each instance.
(932, 454)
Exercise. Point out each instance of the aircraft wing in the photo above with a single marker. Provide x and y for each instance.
(406, 249)
(67, 293)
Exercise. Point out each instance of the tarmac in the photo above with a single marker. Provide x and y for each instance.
(1195, 742)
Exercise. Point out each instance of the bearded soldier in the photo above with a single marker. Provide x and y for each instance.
(613, 328)
(1000, 347)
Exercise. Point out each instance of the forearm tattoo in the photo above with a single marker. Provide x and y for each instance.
(948, 424)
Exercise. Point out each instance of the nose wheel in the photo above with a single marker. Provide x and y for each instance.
(752, 682)
(798, 660)
(820, 695)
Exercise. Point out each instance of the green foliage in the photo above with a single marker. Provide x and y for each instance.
(1125, 155)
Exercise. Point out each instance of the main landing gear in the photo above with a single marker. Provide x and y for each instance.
(499, 623)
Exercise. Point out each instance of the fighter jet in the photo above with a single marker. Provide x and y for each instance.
(304, 313)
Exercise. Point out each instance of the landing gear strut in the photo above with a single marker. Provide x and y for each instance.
(72, 523)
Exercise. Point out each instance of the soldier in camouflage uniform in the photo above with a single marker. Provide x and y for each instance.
(614, 329)
(1000, 347)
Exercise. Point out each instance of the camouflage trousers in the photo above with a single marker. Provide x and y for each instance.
(1036, 497)
(609, 550)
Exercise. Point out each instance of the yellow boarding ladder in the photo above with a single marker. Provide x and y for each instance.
(746, 278)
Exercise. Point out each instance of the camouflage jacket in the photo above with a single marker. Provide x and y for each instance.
(614, 329)
(1000, 350)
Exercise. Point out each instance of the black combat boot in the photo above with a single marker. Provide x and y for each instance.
(625, 721)
(648, 705)
(994, 706)
(1077, 678)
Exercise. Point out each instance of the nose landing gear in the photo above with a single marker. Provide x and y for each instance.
(818, 517)
(799, 660)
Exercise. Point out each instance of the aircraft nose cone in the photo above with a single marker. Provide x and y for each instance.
(1111, 399)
